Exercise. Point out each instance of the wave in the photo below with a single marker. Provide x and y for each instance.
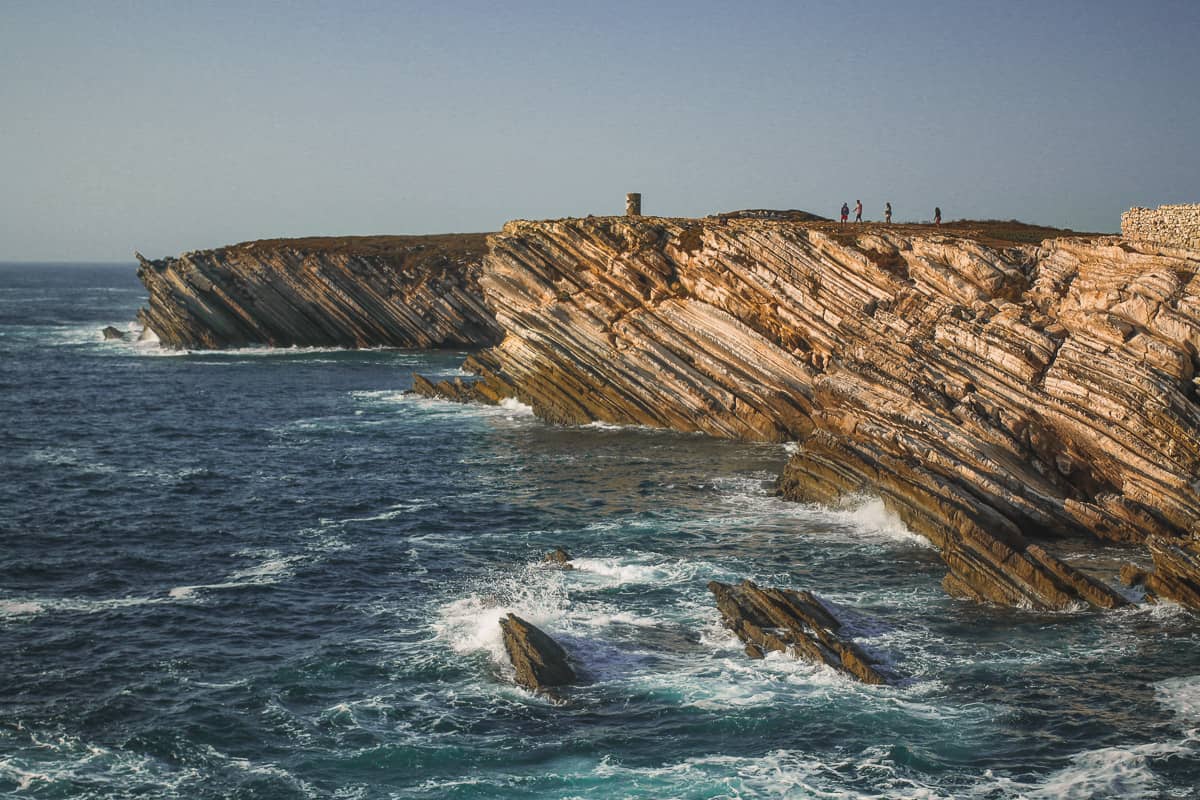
(273, 569)
(54, 763)
(33, 606)
(1181, 695)
(620, 572)
(1125, 772)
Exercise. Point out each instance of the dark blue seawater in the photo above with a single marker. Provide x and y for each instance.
(263, 574)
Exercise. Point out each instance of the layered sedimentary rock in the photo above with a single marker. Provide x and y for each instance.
(395, 291)
(540, 662)
(992, 394)
(782, 620)
(1176, 574)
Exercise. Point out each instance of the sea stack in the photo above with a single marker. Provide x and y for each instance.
(540, 662)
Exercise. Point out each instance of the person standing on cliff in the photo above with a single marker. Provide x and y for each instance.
(845, 213)
(937, 216)
(887, 213)
(858, 210)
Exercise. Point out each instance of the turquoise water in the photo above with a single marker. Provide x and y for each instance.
(266, 574)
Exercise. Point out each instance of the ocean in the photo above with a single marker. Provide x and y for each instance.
(273, 574)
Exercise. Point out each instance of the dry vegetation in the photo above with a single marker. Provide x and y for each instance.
(453, 245)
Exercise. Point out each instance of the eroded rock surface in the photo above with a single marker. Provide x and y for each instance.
(393, 291)
(991, 393)
(1176, 574)
(782, 620)
(110, 333)
(540, 662)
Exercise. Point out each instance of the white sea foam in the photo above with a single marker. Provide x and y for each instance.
(1123, 772)
(20, 608)
(516, 407)
(258, 351)
(778, 773)
(471, 623)
(1181, 695)
(615, 571)
(273, 569)
(391, 512)
(33, 606)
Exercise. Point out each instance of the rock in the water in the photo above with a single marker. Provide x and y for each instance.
(558, 557)
(540, 662)
(110, 332)
(991, 393)
(770, 620)
(358, 291)
(1176, 574)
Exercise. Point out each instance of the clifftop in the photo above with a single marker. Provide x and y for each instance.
(453, 246)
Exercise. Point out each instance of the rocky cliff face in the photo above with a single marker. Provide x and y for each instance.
(992, 395)
(397, 291)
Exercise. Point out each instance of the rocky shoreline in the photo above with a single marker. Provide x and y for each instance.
(993, 392)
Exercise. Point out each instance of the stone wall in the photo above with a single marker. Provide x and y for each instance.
(1177, 225)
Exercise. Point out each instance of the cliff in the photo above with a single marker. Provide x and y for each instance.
(993, 393)
(397, 291)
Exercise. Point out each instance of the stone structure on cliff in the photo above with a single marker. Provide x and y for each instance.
(397, 291)
(1175, 225)
(991, 395)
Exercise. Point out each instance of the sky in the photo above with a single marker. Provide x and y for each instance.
(166, 127)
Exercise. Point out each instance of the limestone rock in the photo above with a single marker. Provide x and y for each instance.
(782, 620)
(393, 291)
(540, 662)
(111, 333)
(993, 393)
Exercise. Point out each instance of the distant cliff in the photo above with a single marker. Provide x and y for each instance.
(993, 393)
(397, 291)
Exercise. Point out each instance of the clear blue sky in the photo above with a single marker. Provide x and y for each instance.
(171, 126)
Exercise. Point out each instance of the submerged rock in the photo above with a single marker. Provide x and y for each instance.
(782, 620)
(540, 662)
(110, 332)
(558, 557)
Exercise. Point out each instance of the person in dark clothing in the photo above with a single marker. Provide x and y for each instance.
(845, 213)
(937, 216)
(887, 213)
(858, 210)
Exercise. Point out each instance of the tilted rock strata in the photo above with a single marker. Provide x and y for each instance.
(540, 662)
(782, 620)
(1176, 574)
(356, 292)
(988, 395)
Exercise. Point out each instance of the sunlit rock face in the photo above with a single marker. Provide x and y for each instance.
(387, 291)
(992, 395)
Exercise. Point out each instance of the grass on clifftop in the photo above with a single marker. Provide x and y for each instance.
(453, 245)
(989, 232)
(472, 246)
